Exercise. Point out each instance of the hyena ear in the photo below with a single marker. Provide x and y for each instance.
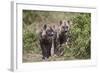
(68, 21)
(44, 26)
(60, 22)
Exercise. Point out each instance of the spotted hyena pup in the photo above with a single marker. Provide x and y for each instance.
(46, 35)
(62, 31)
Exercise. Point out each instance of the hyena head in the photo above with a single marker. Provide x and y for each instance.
(47, 31)
(64, 26)
(43, 32)
(50, 32)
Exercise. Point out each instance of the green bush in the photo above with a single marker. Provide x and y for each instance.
(81, 35)
(30, 41)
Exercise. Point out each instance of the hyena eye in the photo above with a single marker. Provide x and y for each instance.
(66, 26)
(63, 27)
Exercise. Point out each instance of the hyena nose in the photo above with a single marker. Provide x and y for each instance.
(65, 30)
(52, 33)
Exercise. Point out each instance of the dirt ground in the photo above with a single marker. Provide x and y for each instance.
(33, 57)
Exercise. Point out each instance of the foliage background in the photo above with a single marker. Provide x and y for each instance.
(79, 45)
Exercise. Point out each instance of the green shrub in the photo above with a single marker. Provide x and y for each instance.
(81, 35)
(30, 41)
